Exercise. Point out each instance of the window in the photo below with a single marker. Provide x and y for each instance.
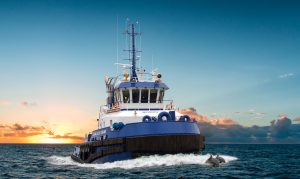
(125, 96)
(153, 95)
(161, 95)
(135, 95)
(144, 96)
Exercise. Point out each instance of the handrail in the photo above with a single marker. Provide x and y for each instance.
(169, 106)
(148, 77)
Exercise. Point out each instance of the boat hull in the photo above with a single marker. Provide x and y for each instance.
(132, 147)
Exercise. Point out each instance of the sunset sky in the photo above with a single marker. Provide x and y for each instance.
(236, 60)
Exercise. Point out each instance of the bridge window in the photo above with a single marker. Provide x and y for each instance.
(125, 96)
(144, 96)
(161, 95)
(153, 95)
(135, 95)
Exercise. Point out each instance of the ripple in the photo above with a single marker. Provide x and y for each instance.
(243, 161)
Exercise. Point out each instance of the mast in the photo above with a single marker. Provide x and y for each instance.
(132, 51)
(133, 60)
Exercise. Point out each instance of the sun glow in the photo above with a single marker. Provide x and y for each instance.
(53, 141)
(48, 140)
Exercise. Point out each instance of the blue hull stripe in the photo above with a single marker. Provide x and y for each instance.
(148, 128)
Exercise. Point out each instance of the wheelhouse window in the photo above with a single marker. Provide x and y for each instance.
(144, 95)
(153, 95)
(125, 96)
(135, 95)
(161, 95)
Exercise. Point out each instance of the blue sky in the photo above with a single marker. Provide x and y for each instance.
(236, 59)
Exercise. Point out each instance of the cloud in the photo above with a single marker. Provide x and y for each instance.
(22, 132)
(28, 104)
(252, 113)
(18, 127)
(297, 119)
(68, 136)
(194, 115)
(9, 135)
(223, 122)
(17, 130)
(7, 103)
(286, 75)
(280, 127)
(226, 130)
(204, 119)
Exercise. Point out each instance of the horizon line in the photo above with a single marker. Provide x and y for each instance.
(211, 143)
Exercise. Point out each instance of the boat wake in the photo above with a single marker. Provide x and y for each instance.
(145, 161)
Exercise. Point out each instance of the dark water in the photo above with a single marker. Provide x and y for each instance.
(243, 161)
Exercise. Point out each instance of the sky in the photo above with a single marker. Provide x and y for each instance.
(227, 59)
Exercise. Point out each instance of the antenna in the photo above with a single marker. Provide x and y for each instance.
(132, 50)
(152, 63)
(117, 44)
(127, 45)
(140, 55)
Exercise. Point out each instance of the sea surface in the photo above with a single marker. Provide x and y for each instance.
(242, 161)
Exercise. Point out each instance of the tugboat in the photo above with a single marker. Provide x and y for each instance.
(135, 120)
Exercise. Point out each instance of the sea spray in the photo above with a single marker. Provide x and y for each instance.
(145, 161)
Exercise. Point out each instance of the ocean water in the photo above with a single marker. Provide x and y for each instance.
(242, 161)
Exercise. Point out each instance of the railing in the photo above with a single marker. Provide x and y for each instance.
(138, 106)
(143, 77)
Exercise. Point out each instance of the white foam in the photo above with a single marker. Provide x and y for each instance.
(145, 161)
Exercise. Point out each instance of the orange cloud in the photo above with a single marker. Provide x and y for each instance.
(194, 115)
(204, 119)
(223, 122)
(297, 120)
(68, 136)
(17, 130)
(18, 133)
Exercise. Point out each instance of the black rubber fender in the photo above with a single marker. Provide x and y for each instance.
(164, 114)
(185, 118)
(146, 118)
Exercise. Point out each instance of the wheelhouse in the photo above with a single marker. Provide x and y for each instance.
(139, 95)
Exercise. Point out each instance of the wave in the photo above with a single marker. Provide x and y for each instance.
(145, 161)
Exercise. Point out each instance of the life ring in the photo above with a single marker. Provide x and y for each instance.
(185, 118)
(164, 114)
(146, 118)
